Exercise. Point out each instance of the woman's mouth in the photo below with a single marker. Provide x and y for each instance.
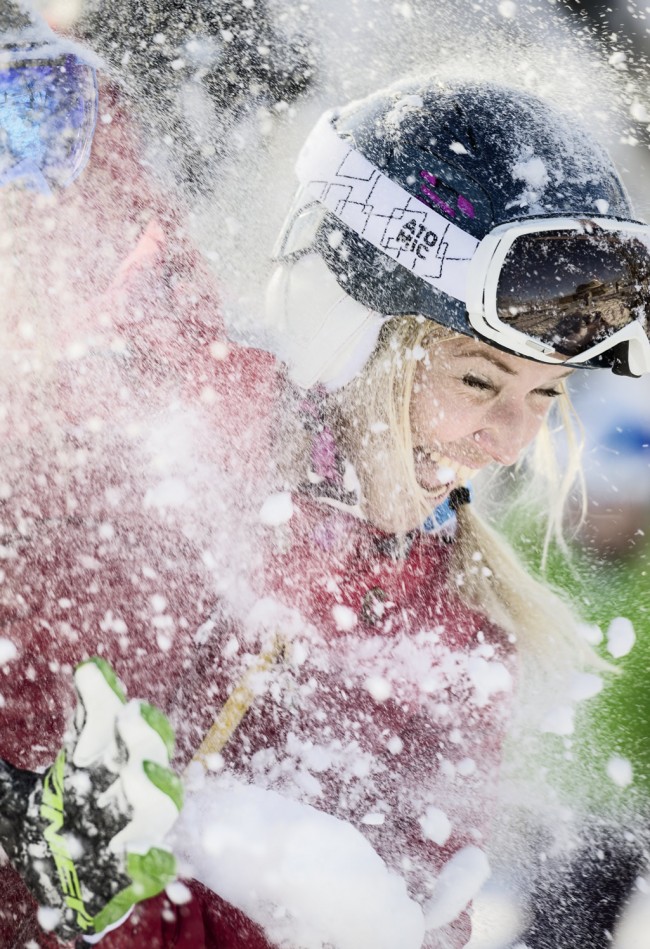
(438, 474)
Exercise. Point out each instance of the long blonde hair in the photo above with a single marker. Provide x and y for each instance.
(372, 414)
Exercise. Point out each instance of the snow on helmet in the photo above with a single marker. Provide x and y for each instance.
(480, 155)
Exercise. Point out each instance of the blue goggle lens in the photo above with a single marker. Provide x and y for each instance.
(48, 112)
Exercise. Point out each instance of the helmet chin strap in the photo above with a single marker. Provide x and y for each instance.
(322, 334)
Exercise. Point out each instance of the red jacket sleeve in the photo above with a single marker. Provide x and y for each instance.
(205, 922)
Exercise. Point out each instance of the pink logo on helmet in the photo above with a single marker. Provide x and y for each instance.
(463, 204)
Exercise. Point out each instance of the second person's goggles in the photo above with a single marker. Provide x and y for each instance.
(574, 290)
(48, 112)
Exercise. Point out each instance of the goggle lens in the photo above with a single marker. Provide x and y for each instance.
(573, 289)
(49, 110)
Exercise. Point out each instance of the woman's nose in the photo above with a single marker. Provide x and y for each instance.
(499, 449)
(508, 429)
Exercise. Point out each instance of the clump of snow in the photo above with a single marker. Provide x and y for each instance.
(163, 641)
(620, 637)
(404, 10)
(585, 685)
(335, 238)
(351, 479)
(559, 720)
(639, 112)
(178, 893)
(402, 107)
(592, 634)
(345, 618)
(395, 745)
(158, 602)
(507, 9)
(306, 877)
(48, 918)
(618, 60)
(111, 623)
(8, 650)
(106, 531)
(417, 353)
(219, 350)
(488, 678)
(445, 475)
(277, 509)
(435, 825)
(602, 206)
(458, 148)
(460, 880)
(168, 493)
(634, 925)
(532, 172)
(619, 770)
(214, 762)
(379, 688)
(267, 613)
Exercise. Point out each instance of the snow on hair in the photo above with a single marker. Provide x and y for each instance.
(374, 420)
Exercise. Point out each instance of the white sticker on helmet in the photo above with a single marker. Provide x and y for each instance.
(383, 213)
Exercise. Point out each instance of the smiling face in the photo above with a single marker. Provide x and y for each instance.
(473, 405)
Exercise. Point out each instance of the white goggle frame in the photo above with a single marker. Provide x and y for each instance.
(483, 279)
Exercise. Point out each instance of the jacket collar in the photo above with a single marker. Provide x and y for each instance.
(332, 479)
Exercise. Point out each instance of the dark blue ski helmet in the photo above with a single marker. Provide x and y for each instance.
(478, 153)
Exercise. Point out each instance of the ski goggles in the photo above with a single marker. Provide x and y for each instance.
(561, 289)
(48, 113)
(565, 290)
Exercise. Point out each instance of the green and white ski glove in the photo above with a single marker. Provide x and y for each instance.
(86, 835)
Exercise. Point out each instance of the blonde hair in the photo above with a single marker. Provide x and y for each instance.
(373, 418)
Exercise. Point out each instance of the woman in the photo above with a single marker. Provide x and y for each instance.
(453, 254)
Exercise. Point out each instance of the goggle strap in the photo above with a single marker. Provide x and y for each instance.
(376, 208)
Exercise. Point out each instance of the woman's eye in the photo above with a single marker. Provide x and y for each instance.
(548, 393)
(474, 382)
